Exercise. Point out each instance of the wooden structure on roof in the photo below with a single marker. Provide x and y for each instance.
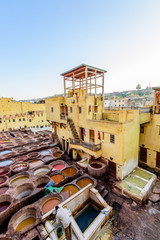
(84, 77)
(156, 106)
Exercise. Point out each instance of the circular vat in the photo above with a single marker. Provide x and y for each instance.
(97, 169)
(6, 162)
(3, 180)
(25, 221)
(44, 153)
(21, 158)
(5, 201)
(69, 190)
(51, 144)
(33, 155)
(57, 178)
(57, 154)
(40, 182)
(18, 180)
(5, 171)
(58, 167)
(22, 151)
(55, 149)
(69, 171)
(95, 165)
(49, 203)
(3, 189)
(83, 182)
(35, 163)
(23, 190)
(19, 167)
(41, 171)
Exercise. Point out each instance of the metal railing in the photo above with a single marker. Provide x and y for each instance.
(91, 146)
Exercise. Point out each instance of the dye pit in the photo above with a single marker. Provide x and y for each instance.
(87, 216)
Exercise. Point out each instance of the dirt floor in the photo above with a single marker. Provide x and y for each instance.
(130, 221)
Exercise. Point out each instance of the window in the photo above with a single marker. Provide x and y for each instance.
(19, 120)
(51, 109)
(13, 120)
(42, 115)
(0, 121)
(9, 120)
(29, 120)
(38, 115)
(102, 135)
(112, 138)
(80, 109)
(42, 121)
(142, 129)
(24, 119)
(70, 109)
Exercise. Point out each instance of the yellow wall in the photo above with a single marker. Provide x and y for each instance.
(151, 139)
(123, 124)
(16, 114)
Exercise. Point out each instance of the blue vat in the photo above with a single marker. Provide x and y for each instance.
(86, 217)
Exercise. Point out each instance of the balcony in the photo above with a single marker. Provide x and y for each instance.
(90, 146)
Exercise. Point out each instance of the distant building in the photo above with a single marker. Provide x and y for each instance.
(15, 115)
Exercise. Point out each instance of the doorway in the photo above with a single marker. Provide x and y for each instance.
(143, 154)
(91, 136)
(112, 169)
(158, 160)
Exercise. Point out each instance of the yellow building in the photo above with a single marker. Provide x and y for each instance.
(83, 126)
(150, 136)
(15, 115)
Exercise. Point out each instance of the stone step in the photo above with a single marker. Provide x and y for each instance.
(104, 193)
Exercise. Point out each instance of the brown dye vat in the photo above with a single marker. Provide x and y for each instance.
(41, 185)
(69, 171)
(3, 190)
(35, 163)
(19, 180)
(57, 154)
(95, 165)
(26, 223)
(57, 178)
(4, 206)
(33, 155)
(84, 182)
(4, 171)
(69, 190)
(21, 158)
(3, 180)
(50, 204)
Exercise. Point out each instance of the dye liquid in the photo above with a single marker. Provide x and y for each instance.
(35, 163)
(84, 182)
(3, 190)
(50, 204)
(58, 167)
(19, 180)
(6, 162)
(69, 171)
(69, 190)
(86, 217)
(57, 178)
(4, 206)
(26, 223)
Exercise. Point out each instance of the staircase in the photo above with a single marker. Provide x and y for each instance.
(73, 128)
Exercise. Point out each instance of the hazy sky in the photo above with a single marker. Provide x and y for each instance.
(39, 39)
